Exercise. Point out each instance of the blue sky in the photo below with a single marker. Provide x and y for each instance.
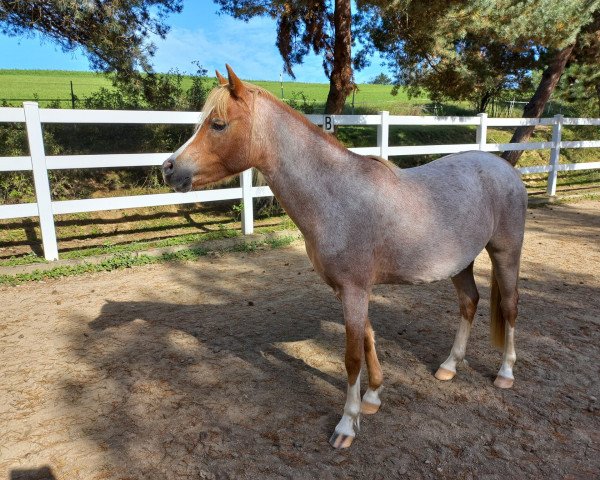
(198, 33)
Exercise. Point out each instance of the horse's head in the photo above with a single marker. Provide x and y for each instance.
(220, 147)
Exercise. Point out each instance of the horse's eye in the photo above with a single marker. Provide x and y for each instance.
(218, 125)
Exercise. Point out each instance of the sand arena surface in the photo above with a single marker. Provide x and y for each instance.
(232, 367)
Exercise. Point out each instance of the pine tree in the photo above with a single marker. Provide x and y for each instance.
(477, 47)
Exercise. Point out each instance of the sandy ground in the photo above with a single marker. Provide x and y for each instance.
(231, 367)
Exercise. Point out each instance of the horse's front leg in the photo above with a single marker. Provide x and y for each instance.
(370, 401)
(355, 304)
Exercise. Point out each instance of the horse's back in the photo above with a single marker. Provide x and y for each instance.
(447, 211)
(470, 169)
(473, 181)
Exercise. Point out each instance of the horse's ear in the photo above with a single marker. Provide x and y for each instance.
(222, 80)
(236, 86)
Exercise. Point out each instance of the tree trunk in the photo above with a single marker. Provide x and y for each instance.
(536, 105)
(340, 81)
(484, 101)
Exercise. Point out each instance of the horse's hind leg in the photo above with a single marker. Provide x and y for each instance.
(355, 304)
(467, 299)
(370, 401)
(503, 307)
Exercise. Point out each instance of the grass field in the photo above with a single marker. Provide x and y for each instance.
(48, 85)
(18, 85)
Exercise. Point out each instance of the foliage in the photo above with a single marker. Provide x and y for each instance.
(301, 26)
(299, 101)
(381, 79)
(163, 92)
(580, 87)
(580, 84)
(320, 26)
(113, 33)
(469, 50)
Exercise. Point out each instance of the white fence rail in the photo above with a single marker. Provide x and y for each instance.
(45, 208)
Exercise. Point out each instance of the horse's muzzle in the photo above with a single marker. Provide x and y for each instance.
(177, 176)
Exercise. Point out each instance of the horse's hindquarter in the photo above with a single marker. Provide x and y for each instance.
(441, 215)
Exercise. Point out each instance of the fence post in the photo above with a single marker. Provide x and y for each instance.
(40, 179)
(383, 134)
(554, 154)
(481, 136)
(248, 207)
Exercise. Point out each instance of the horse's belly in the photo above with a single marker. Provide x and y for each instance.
(424, 273)
(429, 261)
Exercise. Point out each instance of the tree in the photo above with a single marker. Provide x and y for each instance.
(584, 52)
(428, 47)
(113, 33)
(484, 46)
(323, 26)
(381, 79)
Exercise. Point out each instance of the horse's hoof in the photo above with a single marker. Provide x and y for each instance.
(503, 382)
(444, 374)
(339, 440)
(369, 408)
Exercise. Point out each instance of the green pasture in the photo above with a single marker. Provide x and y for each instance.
(49, 85)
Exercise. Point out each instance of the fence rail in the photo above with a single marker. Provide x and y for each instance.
(45, 208)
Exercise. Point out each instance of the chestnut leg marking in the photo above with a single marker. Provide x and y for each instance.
(371, 402)
(468, 297)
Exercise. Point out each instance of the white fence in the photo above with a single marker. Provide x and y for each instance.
(45, 208)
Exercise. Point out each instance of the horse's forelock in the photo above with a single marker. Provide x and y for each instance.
(219, 97)
(217, 102)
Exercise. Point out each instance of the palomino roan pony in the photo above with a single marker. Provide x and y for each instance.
(367, 222)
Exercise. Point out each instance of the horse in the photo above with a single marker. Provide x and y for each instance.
(367, 222)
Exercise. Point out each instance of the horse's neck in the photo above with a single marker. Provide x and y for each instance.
(302, 166)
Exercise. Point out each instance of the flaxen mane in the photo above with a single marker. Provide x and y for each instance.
(219, 96)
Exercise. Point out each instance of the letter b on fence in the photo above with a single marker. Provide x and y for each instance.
(328, 123)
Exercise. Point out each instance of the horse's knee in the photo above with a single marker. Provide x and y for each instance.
(509, 308)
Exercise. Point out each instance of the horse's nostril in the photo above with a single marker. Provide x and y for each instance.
(168, 167)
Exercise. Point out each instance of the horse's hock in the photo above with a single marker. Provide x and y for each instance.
(232, 367)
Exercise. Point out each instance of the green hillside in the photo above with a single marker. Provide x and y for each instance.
(48, 85)
(16, 85)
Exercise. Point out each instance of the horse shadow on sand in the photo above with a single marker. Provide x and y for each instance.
(200, 386)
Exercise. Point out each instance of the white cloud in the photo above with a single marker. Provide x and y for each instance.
(249, 47)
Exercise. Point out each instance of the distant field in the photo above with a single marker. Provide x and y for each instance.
(48, 85)
(374, 96)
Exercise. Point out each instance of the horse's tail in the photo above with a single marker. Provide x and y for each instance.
(497, 326)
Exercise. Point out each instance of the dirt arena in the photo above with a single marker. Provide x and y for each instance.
(232, 367)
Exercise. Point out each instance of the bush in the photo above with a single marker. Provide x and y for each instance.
(156, 92)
